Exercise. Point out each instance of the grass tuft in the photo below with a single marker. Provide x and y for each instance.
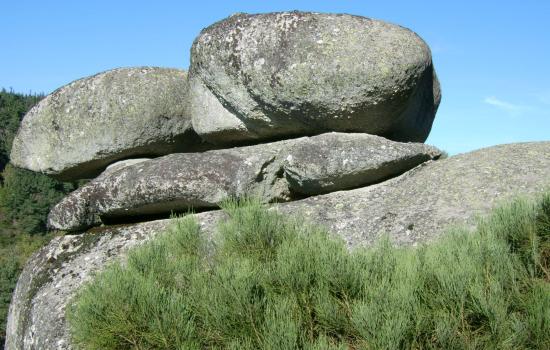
(269, 282)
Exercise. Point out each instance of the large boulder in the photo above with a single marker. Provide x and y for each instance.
(79, 129)
(277, 171)
(412, 208)
(37, 316)
(273, 75)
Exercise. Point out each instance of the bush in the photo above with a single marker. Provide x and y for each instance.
(267, 282)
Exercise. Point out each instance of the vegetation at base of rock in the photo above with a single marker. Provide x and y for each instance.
(14, 252)
(270, 282)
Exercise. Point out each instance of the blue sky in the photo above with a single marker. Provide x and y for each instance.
(492, 57)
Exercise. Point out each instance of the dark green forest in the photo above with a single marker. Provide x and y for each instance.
(13, 107)
(25, 199)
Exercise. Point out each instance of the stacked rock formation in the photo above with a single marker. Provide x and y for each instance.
(324, 112)
(253, 79)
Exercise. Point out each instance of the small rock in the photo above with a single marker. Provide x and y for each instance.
(120, 165)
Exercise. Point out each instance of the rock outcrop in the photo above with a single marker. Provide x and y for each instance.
(284, 74)
(277, 171)
(412, 208)
(418, 205)
(82, 127)
(332, 99)
(339, 161)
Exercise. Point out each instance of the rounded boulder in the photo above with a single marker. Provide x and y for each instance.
(82, 127)
(275, 75)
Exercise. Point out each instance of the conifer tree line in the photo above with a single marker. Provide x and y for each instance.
(25, 199)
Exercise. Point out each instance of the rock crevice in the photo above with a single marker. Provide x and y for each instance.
(275, 172)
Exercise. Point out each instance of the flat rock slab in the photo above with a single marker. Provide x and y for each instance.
(412, 208)
(284, 74)
(177, 182)
(79, 129)
(338, 161)
(278, 171)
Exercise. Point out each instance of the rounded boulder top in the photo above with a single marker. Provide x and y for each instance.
(296, 73)
(82, 127)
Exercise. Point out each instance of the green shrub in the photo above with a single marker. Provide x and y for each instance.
(268, 282)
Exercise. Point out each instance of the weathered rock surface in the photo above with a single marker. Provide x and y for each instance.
(176, 182)
(37, 317)
(112, 168)
(414, 207)
(277, 171)
(337, 161)
(79, 129)
(294, 73)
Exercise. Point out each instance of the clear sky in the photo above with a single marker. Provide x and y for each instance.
(492, 57)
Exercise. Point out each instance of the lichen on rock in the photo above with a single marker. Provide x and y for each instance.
(274, 172)
(298, 73)
(411, 209)
(80, 128)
